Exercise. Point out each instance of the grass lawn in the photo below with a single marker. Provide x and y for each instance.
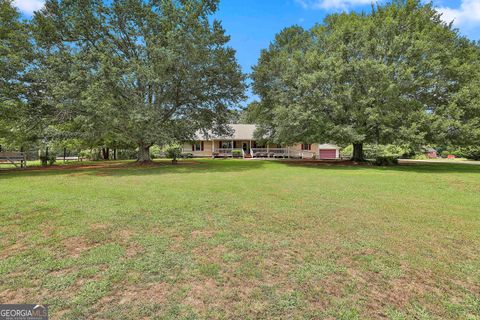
(243, 239)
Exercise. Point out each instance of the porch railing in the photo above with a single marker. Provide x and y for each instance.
(228, 152)
(281, 153)
(262, 153)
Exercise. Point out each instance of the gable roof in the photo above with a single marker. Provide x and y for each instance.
(245, 132)
(240, 132)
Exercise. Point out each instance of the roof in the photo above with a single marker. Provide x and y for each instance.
(240, 132)
(245, 132)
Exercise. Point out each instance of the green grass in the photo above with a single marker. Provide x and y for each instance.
(243, 239)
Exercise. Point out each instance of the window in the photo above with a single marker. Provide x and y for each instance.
(226, 144)
(306, 146)
(197, 146)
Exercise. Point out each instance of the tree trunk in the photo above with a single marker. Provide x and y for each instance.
(358, 152)
(143, 154)
(106, 153)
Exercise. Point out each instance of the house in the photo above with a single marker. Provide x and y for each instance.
(242, 144)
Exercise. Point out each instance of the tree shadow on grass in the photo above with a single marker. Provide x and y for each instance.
(433, 168)
(118, 169)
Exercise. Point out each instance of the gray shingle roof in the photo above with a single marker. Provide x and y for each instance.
(240, 132)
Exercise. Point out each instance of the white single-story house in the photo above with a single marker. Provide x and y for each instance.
(243, 145)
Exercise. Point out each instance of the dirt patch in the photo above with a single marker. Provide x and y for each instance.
(76, 245)
(124, 234)
(131, 294)
(200, 293)
(13, 249)
(99, 226)
(202, 234)
(133, 250)
(19, 295)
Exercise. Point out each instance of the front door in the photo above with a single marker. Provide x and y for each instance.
(245, 147)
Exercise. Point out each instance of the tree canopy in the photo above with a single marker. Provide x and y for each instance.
(391, 76)
(140, 72)
(16, 55)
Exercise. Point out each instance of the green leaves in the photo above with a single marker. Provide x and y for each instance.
(386, 77)
(15, 55)
(137, 70)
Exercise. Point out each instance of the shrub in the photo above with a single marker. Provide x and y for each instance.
(471, 153)
(420, 157)
(85, 154)
(444, 153)
(236, 154)
(156, 152)
(173, 152)
(47, 159)
(347, 152)
(386, 161)
(371, 151)
(126, 154)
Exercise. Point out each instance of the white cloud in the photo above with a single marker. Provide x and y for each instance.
(467, 15)
(333, 4)
(28, 6)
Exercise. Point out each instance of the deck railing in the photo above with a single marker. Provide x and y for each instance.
(281, 153)
(228, 152)
(261, 153)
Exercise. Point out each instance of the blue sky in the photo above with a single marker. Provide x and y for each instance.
(252, 24)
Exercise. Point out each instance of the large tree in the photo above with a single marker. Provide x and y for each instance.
(143, 71)
(16, 56)
(384, 77)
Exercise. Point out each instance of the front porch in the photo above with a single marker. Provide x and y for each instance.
(254, 153)
(249, 149)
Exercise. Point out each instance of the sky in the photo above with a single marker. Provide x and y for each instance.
(252, 24)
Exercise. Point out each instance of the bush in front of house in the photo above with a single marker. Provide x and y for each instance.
(386, 161)
(237, 154)
(173, 152)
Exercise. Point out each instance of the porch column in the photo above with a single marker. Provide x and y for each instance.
(268, 153)
(250, 149)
